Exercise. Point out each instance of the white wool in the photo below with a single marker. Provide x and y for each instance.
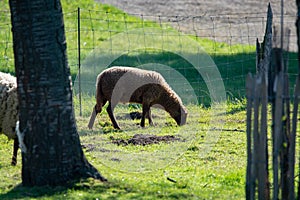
(21, 138)
(8, 105)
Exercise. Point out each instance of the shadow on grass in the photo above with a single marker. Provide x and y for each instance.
(21, 192)
(91, 189)
(233, 69)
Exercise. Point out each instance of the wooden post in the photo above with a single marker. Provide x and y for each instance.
(250, 178)
(286, 168)
(297, 97)
(263, 168)
(292, 145)
(277, 141)
(257, 104)
(256, 142)
(79, 60)
(283, 132)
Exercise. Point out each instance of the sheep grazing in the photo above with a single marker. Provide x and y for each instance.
(127, 84)
(9, 110)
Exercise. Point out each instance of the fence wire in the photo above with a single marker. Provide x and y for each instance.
(229, 40)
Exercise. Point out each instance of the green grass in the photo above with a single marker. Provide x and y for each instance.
(176, 171)
(165, 171)
(100, 22)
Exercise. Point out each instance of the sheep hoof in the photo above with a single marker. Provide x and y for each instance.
(14, 162)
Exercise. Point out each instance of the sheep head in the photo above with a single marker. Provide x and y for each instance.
(180, 116)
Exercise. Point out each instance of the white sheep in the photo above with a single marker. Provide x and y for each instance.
(128, 84)
(9, 110)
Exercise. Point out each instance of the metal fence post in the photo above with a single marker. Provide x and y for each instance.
(79, 63)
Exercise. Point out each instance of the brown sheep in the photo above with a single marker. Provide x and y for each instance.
(127, 84)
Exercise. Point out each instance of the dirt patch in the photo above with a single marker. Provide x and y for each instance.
(135, 115)
(145, 139)
(95, 148)
(199, 7)
(230, 21)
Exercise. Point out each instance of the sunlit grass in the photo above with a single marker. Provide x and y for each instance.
(176, 170)
(175, 173)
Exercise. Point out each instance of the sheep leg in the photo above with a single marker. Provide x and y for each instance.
(110, 112)
(15, 152)
(146, 112)
(92, 118)
(97, 109)
(148, 115)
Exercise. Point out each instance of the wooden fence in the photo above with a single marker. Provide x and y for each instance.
(268, 97)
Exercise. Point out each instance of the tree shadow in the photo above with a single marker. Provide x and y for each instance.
(233, 69)
(90, 188)
(21, 192)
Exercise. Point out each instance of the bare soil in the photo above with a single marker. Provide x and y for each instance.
(230, 21)
(145, 139)
(200, 7)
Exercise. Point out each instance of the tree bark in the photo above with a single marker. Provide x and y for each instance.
(54, 155)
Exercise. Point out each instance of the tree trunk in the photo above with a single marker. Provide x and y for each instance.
(54, 155)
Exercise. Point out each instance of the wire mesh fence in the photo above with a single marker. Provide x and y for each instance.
(99, 39)
(6, 58)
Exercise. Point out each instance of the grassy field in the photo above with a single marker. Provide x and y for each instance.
(100, 22)
(173, 170)
(207, 162)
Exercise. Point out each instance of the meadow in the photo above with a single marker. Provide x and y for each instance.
(208, 161)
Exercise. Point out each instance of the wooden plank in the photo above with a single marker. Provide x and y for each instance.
(263, 167)
(298, 44)
(268, 41)
(259, 162)
(250, 180)
(293, 140)
(277, 131)
(258, 56)
(256, 144)
(284, 155)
